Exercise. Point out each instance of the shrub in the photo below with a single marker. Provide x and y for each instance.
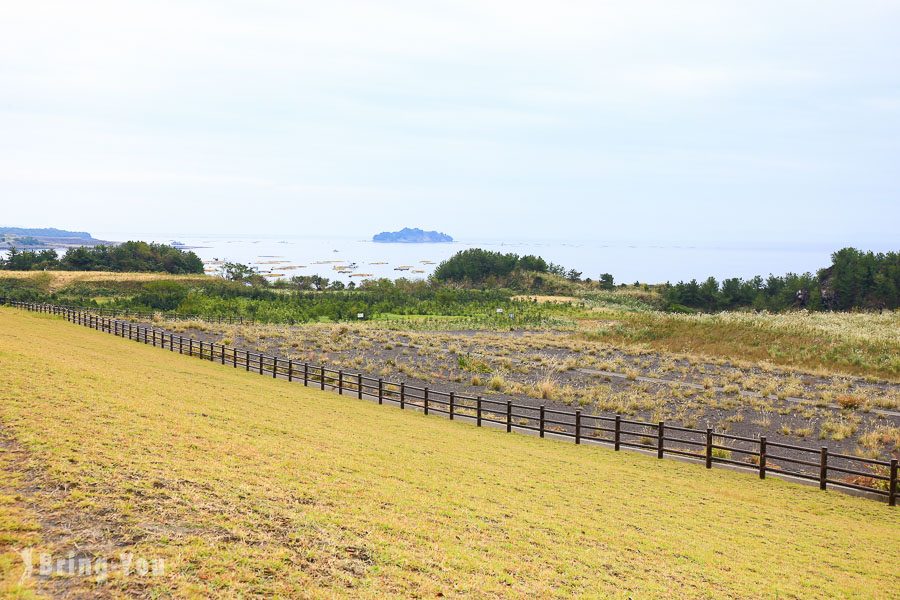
(871, 482)
(849, 402)
(497, 383)
(836, 429)
(546, 388)
(721, 453)
(467, 363)
(888, 437)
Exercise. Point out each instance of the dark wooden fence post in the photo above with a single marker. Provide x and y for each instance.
(762, 457)
(274, 367)
(359, 390)
(508, 416)
(260, 363)
(425, 400)
(290, 369)
(190, 346)
(823, 468)
(709, 448)
(452, 404)
(541, 425)
(234, 358)
(380, 390)
(305, 374)
(402, 395)
(478, 411)
(340, 382)
(247, 360)
(222, 347)
(892, 484)
(617, 434)
(201, 347)
(577, 425)
(180, 344)
(660, 437)
(322, 378)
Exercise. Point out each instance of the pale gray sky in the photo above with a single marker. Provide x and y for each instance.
(624, 120)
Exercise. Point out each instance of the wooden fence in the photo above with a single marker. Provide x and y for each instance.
(148, 315)
(842, 471)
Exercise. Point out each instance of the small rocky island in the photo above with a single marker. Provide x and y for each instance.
(412, 236)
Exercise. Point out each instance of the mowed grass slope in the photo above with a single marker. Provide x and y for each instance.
(250, 486)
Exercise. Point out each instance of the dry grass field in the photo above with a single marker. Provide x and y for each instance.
(866, 344)
(53, 281)
(248, 486)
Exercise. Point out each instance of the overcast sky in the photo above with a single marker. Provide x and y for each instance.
(623, 120)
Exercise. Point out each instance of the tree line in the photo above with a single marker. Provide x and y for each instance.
(127, 257)
(854, 280)
(470, 282)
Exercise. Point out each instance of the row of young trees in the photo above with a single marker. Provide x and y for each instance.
(126, 257)
(855, 280)
(375, 297)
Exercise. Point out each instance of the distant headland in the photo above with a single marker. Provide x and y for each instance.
(412, 236)
(25, 238)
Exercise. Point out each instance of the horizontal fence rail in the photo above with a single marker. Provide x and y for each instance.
(819, 465)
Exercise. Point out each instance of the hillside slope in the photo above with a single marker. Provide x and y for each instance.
(250, 486)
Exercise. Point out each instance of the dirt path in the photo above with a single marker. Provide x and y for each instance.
(55, 527)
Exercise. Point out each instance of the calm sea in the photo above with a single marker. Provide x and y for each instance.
(628, 262)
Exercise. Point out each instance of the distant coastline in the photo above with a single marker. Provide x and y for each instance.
(25, 238)
(411, 236)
